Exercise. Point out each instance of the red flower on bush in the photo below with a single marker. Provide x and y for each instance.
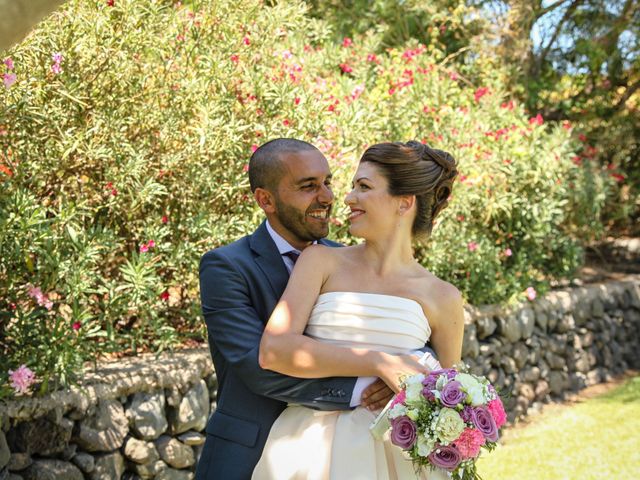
(76, 326)
(346, 68)
(537, 120)
(347, 42)
(479, 93)
(234, 58)
(164, 296)
(164, 219)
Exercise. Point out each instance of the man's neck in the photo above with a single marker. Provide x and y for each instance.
(282, 238)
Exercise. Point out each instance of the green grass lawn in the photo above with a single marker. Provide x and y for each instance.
(598, 438)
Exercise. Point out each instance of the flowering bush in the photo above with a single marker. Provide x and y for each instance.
(125, 132)
(443, 419)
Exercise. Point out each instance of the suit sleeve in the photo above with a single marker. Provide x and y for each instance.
(235, 329)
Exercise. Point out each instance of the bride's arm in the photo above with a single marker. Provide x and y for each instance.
(447, 324)
(285, 349)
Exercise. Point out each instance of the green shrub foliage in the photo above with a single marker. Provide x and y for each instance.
(124, 144)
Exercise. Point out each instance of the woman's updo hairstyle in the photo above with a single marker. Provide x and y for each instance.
(413, 168)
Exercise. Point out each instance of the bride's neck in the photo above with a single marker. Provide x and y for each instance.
(387, 255)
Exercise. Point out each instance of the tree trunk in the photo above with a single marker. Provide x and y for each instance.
(17, 17)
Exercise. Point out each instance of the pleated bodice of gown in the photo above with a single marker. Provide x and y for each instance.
(306, 444)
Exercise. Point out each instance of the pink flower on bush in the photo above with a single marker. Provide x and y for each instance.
(234, 58)
(508, 252)
(480, 92)
(151, 243)
(9, 79)
(76, 326)
(246, 41)
(254, 147)
(346, 68)
(496, 408)
(537, 120)
(22, 379)
(347, 42)
(472, 246)
(57, 60)
(9, 63)
(469, 443)
(39, 297)
(372, 58)
(531, 293)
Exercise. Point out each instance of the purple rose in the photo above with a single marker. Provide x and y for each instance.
(428, 394)
(467, 414)
(403, 432)
(451, 395)
(430, 381)
(483, 420)
(445, 457)
(449, 372)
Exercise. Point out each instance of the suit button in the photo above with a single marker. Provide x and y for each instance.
(341, 393)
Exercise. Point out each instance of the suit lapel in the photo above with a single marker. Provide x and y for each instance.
(269, 260)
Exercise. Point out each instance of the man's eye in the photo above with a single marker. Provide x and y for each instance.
(364, 187)
(308, 186)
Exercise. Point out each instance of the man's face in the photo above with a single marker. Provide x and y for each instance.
(304, 198)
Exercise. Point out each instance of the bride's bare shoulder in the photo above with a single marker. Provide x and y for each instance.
(438, 296)
(324, 253)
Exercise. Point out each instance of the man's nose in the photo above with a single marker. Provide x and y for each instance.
(326, 194)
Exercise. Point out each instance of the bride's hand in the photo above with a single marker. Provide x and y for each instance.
(394, 367)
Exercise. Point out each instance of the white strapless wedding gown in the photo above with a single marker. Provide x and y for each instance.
(306, 444)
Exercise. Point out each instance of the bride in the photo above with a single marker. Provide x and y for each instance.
(360, 311)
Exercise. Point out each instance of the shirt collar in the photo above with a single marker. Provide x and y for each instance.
(281, 243)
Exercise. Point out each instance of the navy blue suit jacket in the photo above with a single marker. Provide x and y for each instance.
(240, 285)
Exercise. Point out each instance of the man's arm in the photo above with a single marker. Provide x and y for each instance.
(235, 329)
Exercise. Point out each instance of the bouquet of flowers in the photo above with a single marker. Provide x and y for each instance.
(443, 419)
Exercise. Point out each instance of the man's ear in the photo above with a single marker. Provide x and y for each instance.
(407, 202)
(265, 199)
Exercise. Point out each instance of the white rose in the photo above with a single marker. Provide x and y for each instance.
(413, 414)
(414, 389)
(425, 445)
(398, 410)
(473, 387)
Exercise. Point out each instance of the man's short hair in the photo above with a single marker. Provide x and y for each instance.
(265, 166)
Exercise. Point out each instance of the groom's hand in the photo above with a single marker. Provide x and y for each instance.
(376, 395)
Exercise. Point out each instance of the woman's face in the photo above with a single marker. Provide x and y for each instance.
(373, 210)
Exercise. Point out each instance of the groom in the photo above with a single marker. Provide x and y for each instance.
(240, 284)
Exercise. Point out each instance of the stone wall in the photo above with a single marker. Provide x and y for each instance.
(144, 417)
